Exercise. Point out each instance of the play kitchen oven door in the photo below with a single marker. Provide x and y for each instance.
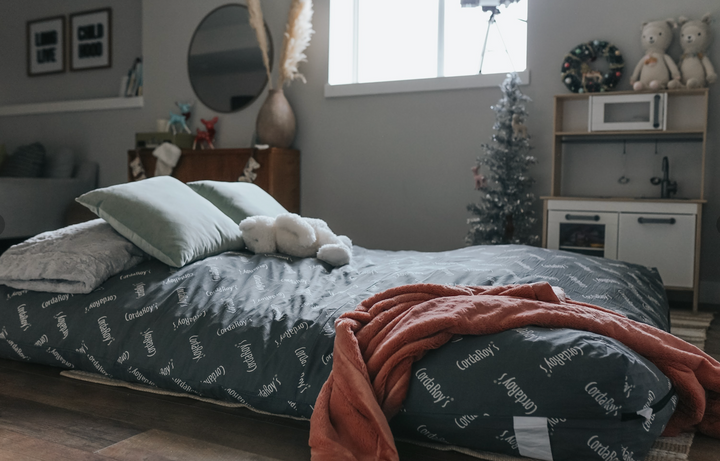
(647, 111)
(588, 233)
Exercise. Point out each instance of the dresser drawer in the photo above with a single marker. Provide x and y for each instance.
(664, 241)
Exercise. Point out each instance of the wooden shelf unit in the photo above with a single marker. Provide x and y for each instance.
(687, 112)
(689, 109)
(278, 175)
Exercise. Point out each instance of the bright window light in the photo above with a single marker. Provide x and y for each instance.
(390, 40)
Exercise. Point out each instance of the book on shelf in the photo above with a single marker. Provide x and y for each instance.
(133, 81)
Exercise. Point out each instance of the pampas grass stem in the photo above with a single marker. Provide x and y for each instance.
(297, 38)
(258, 23)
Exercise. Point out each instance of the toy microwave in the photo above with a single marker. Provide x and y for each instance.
(646, 111)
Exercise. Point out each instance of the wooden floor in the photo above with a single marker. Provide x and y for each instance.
(47, 417)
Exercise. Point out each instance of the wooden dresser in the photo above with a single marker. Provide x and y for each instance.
(279, 172)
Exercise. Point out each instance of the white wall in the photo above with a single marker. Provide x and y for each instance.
(391, 171)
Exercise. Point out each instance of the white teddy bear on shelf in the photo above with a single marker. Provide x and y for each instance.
(656, 70)
(296, 236)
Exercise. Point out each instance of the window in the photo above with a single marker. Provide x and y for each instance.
(404, 40)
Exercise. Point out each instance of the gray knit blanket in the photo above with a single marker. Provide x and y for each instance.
(74, 259)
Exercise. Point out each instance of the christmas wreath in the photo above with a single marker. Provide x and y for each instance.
(579, 77)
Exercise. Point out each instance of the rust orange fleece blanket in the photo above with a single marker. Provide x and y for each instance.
(377, 343)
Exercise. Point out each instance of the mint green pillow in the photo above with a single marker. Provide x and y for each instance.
(166, 219)
(238, 200)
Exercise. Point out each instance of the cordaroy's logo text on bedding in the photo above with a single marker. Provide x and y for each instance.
(516, 392)
(435, 389)
(607, 403)
(560, 359)
(476, 356)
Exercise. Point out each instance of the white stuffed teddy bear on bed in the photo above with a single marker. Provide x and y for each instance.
(296, 236)
(656, 70)
(696, 68)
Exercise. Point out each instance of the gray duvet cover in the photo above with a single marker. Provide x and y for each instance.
(258, 330)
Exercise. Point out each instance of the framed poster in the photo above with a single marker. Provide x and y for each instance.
(46, 46)
(90, 39)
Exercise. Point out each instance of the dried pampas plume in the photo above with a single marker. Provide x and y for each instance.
(258, 23)
(297, 38)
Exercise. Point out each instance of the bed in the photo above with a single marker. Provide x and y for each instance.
(258, 330)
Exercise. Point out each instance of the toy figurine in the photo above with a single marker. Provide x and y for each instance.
(249, 174)
(210, 126)
(480, 180)
(185, 109)
(137, 169)
(177, 119)
(519, 130)
(200, 137)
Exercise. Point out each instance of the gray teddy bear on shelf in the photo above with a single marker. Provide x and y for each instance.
(695, 66)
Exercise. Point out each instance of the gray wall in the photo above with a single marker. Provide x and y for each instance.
(100, 136)
(15, 85)
(391, 171)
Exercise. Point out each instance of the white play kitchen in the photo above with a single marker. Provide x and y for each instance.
(628, 180)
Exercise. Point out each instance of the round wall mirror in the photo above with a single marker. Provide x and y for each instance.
(224, 60)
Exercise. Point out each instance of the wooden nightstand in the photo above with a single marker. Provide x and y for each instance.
(278, 175)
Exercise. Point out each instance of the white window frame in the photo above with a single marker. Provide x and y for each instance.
(416, 85)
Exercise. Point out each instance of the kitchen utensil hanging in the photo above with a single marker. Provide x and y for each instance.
(624, 179)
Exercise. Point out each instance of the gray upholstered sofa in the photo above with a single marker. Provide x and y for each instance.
(29, 206)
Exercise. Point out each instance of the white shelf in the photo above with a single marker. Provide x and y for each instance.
(79, 105)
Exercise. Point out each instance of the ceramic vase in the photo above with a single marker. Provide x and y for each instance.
(276, 121)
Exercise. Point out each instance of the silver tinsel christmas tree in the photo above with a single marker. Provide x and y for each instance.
(505, 213)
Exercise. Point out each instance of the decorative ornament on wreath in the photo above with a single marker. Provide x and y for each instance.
(579, 77)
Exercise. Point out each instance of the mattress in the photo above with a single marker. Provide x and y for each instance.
(258, 330)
